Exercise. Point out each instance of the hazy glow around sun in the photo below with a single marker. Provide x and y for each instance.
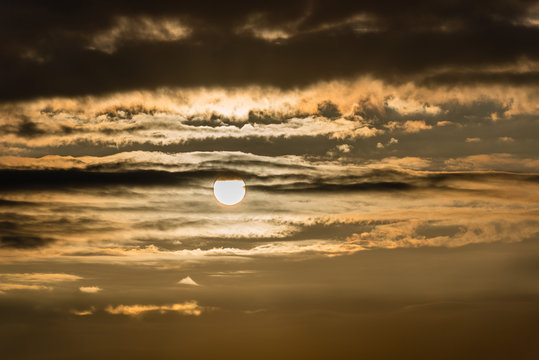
(229, 192)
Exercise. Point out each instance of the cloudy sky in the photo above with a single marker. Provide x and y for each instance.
(390, 154)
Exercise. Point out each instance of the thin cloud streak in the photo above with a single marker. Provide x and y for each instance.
(186, 308)
(90, 289)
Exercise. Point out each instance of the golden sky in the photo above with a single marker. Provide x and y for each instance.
(389, 151)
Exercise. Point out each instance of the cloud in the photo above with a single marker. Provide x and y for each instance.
(74, 178)
(292, 45)
(446, 232)
(473, 139)
(90, 289)
(129, 29)
(9, 286)
(188, 281)
(185, 308)
(234, 273)
(411, 126)
(24, 242)
(29, 129)
(408, 162)
(391, 141)
(498, 161)
(407, 107)
(329, 110)
(445, 123)
(160, 169)
(506, 139)
(251, 117)
(33, 281)
(156, 224)
(86, 312)
(345, 148)
(39, 277)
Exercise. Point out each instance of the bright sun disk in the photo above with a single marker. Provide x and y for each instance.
(229, 192)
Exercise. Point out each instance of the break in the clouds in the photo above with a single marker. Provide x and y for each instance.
(390, 159)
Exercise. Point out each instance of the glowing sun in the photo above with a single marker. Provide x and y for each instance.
(229, 191)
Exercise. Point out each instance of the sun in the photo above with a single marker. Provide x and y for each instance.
(229, 191)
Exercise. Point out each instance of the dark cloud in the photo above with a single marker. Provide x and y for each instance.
(529, 78)
(329, 110)
(328, 187)
(58, 179)
(45, 47)
(11, 203)
(482, 176)
(28, 128)
(23, 242)
(119, 175)
(254, 117)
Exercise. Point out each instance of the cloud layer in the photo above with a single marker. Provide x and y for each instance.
(210, 44)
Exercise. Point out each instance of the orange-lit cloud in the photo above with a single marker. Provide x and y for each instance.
(90, 289)
(140, 28)
(185, 308)
(33, 281)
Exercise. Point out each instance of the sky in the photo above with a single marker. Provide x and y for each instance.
(389, 151)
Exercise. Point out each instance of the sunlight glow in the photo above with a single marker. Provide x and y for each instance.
(229, 192)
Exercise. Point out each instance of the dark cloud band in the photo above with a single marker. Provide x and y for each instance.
(46, 49)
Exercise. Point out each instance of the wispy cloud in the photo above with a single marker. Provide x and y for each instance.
(39, 277)
(90, 289)
(85, 312)
(10, 286)
(142, 28)
(185, 308)
(33, 281)
(497, 161)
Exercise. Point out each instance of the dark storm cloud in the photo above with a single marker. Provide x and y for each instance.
(46, 48)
